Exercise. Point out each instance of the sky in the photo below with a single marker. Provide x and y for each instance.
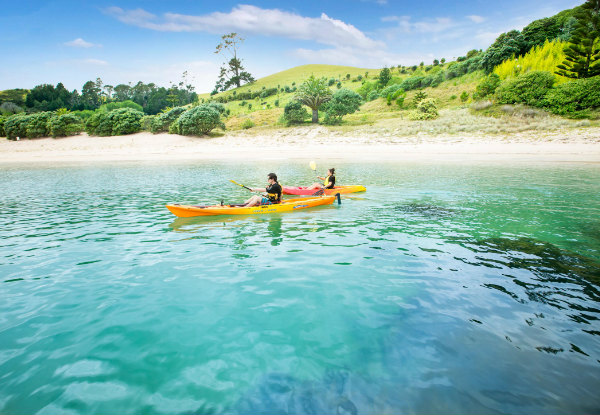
(124, 41)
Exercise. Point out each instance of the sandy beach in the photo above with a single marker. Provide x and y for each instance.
(313, 142)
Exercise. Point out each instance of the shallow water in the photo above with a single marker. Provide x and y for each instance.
(442, 289)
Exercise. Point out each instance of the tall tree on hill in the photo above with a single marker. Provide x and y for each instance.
(232, 72)
(384, 77)
(313, 93)
(582, 58)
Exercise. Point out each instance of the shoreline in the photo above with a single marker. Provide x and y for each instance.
(570, 146)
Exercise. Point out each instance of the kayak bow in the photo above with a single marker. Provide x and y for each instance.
(290, 190)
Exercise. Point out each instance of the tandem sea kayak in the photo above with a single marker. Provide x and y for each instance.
(289, 190)
(186, 211)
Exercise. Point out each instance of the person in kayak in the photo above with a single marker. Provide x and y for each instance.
(328, 181)
(273, 193)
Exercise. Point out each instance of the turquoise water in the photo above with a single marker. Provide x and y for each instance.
(442, 289)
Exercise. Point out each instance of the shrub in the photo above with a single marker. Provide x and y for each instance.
(38, 124)
(342, 102)
(123, 104)
(116, 122)
(487, 86)
(373, 95)
(65, 125)
(453, 97)
(276, 103)
(419, 96)
(9, 108)
(294, 113)
(2, 121)
(199, 120)
(464, 96)
(530, 88)
(247, 124)
(147, 121)
(399, 96)
(574, 98)
(163, 121)
(426, 110)
(16, 126)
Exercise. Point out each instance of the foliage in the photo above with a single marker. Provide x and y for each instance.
(16, 96)
(147, 121)
(2, 121)
(508, 44)
(16, 126)
(162, 121)
(582, 55)
(233, 73)
(384, 77)
(574, 98)
(38, 124)
(64, 125)
(9, 108)
(48, 98)
(116, 122)
(373, 95)
(426, 110)
(247, 124)
(342, 102)
(123, 104)
(464, 96)
(198, 120)
(530, 88)
(419, 96)
(313, 93)
(545, 57)
(366, 88)
(294, 113)
(487, 86)
(90, 95)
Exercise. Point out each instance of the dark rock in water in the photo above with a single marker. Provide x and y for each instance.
(284, 394)
(426, 210)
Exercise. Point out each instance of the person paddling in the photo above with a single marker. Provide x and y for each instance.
(328, 181)
(272, 190)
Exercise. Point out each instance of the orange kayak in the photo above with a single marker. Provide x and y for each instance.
(186, 211)
(290, 190)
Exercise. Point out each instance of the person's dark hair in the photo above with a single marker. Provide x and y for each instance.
(272, 176)
(332, 170)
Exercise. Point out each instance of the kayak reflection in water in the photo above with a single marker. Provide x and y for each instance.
(328, 181)
(272, 193)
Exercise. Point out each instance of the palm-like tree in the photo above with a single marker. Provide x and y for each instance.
(313, 93)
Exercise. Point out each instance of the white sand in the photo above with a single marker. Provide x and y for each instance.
(315, 142)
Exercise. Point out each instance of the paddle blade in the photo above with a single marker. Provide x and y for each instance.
(313, 165)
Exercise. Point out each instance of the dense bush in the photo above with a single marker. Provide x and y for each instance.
(38, 124)
(116, 122)
(199, 120)
(294, 113)
(373, 95)
(426, 110)
(247, 124)
(16, 126)
(573, 98)
(487, 86)
(342, 102)
(124, 104)
(9, 108)
(530, 88)
(147, 121)
(162, 121)
(65, 125)
(2, 121)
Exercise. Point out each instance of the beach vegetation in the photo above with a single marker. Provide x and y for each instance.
(342, 102)
(16, 126)
(294, 113)
(10, 108)
(426, 110)
(582, 54)
(120, 121)
(46, 97)
(464, 96)
(199, 120)
(575, 99)
(64, 125)
(162, 122)
(247, 124)
(147, 121)
(232, 73)
(313, 93)
(545, 57)
(37, 125)
(530, 89)
(2, 121)
(487, 86)
(385, 76)
(122, 104)
(16, 96)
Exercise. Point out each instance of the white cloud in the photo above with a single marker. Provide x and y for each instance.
(250, 19)
(437, 25)
(476, 19)
(80, 43)
(92, 61)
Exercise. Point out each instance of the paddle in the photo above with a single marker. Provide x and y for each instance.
(241, 185)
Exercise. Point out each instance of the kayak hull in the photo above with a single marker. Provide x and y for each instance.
(187, 211)
(291, 190)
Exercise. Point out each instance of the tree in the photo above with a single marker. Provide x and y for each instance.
(344, 101)
(487, 86)
(313, 93)
(506, 45)
(384, 77)
(232, 73)
(436, 62)
(90, 96)
(582, 55)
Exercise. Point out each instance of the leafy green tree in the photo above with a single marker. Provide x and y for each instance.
(582, 55)
(436, 62)
(385, 76)
(9, 108)
(90, 96)
(162, 122)
(487, 86)
(233, 72)
(313, 93)
(122, 92)
(16, 96)
(342, 102)
(199, 120)
(506, 45)
(294, 113)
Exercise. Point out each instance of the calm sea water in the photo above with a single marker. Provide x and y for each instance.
(442, 289)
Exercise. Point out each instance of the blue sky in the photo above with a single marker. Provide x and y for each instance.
(156, 41)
